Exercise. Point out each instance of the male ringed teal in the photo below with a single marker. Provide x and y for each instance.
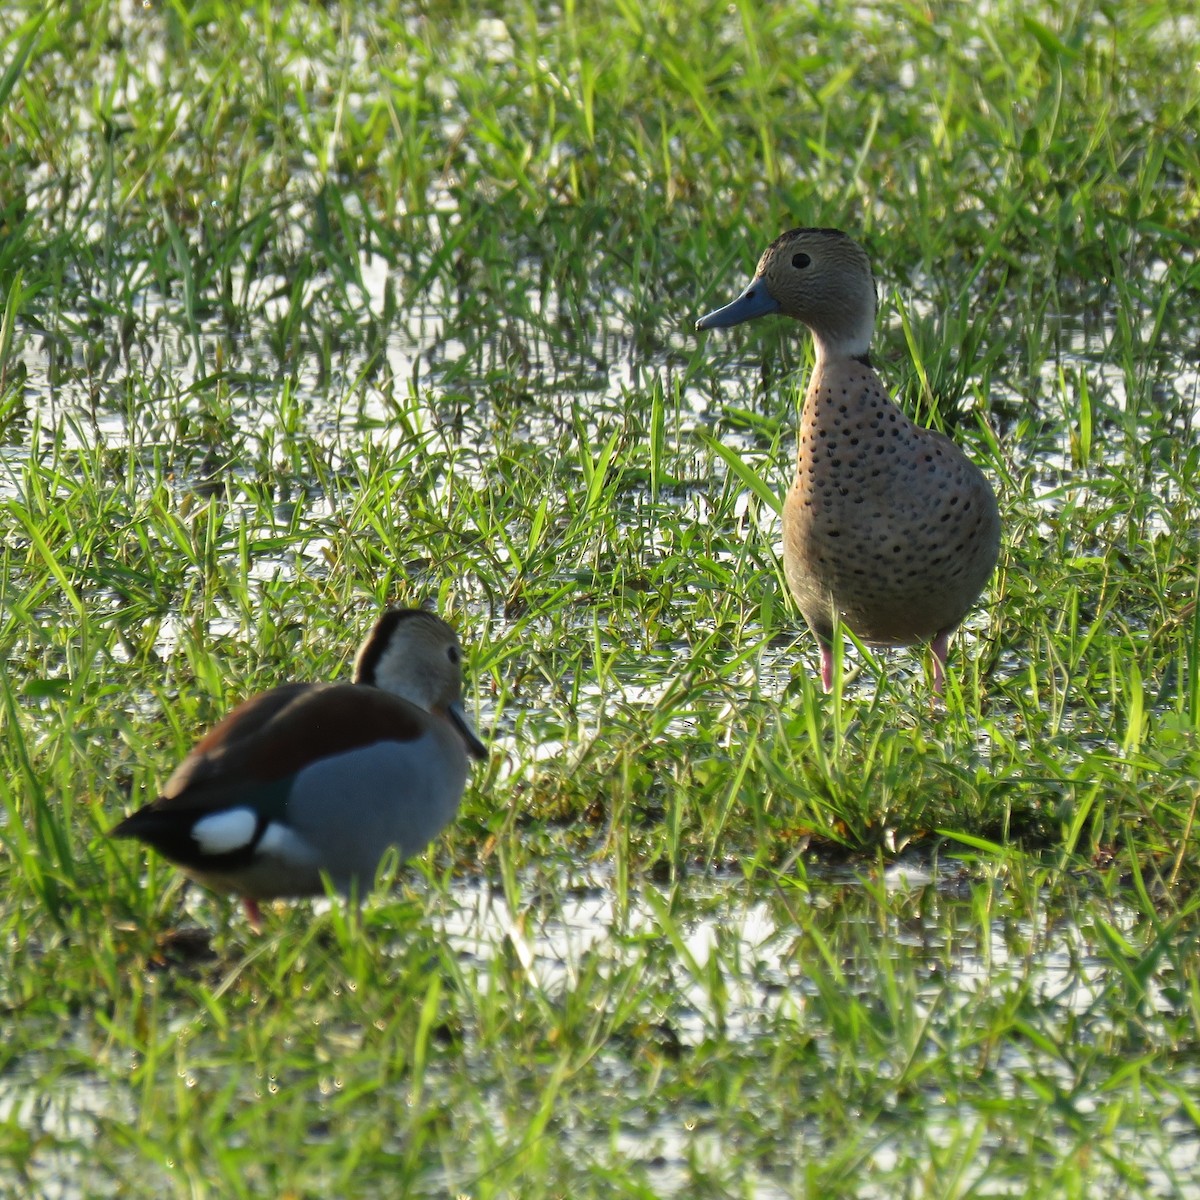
(888, 527)
(320, 778)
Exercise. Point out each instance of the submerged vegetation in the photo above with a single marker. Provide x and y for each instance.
(309, 308)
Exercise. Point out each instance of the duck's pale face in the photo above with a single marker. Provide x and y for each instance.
(416, 655)
(823, 279)
(818, 276)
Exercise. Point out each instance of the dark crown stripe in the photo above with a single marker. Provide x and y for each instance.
(381, 635)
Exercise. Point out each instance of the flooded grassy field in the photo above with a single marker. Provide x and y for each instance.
(311, 310)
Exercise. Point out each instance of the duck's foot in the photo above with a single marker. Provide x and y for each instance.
(253, 913)
(827, 668)
(941, 651)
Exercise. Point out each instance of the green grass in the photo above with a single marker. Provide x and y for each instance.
(306, 310)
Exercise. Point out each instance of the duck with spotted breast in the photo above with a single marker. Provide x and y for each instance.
(319, 779)
(888, 528)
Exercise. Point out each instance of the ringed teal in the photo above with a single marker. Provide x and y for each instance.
(888, 528)
(314, 779)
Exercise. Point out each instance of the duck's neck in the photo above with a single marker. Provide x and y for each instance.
(838, 365)
(845, 344)
(846, 336)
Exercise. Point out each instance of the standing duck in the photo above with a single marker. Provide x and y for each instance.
(315, 779)
(888, 528)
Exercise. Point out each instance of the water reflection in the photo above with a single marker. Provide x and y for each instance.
(744, 969)
(942, 1008)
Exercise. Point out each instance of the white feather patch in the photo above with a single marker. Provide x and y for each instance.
(224, 832)
(284, 843)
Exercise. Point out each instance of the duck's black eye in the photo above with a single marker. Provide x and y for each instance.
(800, 261)
(453, 655)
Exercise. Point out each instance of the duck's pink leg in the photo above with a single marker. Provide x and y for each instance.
(941, 650)
(253, 913)
(827, 667)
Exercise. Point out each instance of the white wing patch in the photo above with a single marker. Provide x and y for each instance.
(284, 843)
(224, 832)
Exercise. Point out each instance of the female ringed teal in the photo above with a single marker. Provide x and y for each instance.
(888, 527)
(320, 778)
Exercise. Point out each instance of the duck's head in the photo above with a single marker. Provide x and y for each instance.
(819, 276)
(415, 654)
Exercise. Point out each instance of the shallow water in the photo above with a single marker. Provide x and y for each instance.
(728, 974)
(750, 943)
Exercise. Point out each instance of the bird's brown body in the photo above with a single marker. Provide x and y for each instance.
(888, 528)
